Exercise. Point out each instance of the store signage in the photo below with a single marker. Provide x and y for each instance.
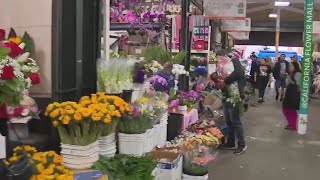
(306, 66)
(236, 25)
(239, 35)
(225, 9)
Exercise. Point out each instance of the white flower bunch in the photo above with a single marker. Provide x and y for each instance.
(178, 70)
(155, 67)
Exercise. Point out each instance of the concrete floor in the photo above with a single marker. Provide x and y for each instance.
(273, 153)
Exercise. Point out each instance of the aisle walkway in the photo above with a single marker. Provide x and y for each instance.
(273, 153)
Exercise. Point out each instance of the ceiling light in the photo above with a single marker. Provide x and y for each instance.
(281, 3)
(273, 15)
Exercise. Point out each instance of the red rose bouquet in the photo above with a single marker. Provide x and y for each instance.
(17, 71)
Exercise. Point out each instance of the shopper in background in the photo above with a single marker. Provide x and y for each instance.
(262, 78)
(294, 59)
(271, 65)
(291, 100)
(280, 72)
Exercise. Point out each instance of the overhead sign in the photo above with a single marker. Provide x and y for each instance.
(239, 35)
(236, 25)
(306, 66)
(225, 9)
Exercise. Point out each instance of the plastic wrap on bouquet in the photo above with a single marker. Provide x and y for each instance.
(107, 145)
(80, 157)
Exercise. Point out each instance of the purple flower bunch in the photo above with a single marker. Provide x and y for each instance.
(158, 80)
(191, 95)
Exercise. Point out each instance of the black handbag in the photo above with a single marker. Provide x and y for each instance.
(292, 97)
(22, 169)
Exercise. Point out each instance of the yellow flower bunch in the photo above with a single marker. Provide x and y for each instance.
(111, 106)
(48, 165)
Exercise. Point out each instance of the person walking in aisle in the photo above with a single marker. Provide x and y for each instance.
(232, 113)
(280, 72)
(291, 100)
(262, 78)
(271, 64)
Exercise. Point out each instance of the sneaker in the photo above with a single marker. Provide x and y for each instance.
(260, 100)
(227, 147)
(277, 97)
(240, 150)
(281, 99)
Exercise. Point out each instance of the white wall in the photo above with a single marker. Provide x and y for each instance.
(33, 16)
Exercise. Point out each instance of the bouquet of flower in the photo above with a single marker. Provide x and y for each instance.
(46, 165)
(84, 122)
(138, 73)
(200, 71)
(27, 109)
(154, 67)
(115, 76)
(200, 127)
(178, 70)
(213, 58)
(115, 109)
(159, 83)
(196, 159)
(198, 60)
(185, 99)
(17, 71)
(138, 122)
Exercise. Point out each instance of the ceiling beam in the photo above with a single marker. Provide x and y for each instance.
(259, 8)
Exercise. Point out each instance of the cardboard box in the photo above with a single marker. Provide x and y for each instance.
(169, 166)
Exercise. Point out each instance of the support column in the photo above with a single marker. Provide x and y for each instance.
(106, 29)
(184, 32)
(306, 66)
(277, 37)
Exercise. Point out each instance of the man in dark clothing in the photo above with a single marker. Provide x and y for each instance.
(231, 113)
(280, 72)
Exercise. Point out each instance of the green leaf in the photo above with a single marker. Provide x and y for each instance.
(12, 33)
(29, 43)
(4, 52)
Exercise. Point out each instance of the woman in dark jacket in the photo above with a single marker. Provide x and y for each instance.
(291, 100)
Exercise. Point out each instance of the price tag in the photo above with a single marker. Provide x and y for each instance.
(138, 51)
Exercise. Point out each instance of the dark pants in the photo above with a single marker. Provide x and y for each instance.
(262, 83)
(235, 128)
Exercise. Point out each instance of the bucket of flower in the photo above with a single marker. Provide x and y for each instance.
(136, 131)
(34, 165)
(80, 125)
(121, 167)
(196, 156)
(114, 107)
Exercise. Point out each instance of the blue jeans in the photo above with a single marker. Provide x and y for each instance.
(235, 127)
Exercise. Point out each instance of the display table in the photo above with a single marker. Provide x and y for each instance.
(179, 121)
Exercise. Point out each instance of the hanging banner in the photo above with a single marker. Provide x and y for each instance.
(225, 9)
(239, 35)
(306, 66)
(236, 25)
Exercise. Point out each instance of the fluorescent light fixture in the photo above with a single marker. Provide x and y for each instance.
(273, 15)
(282, 3)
